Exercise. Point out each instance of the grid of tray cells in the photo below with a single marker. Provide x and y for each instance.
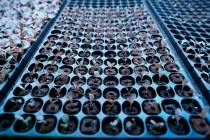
(189, 23)
(104, 73)
(105, 3)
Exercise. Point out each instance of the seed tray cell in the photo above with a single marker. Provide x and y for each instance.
(126, 82)
(187, 23)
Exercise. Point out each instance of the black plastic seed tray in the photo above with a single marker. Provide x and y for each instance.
(103, 76)
(187, 23)
(24, 59)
